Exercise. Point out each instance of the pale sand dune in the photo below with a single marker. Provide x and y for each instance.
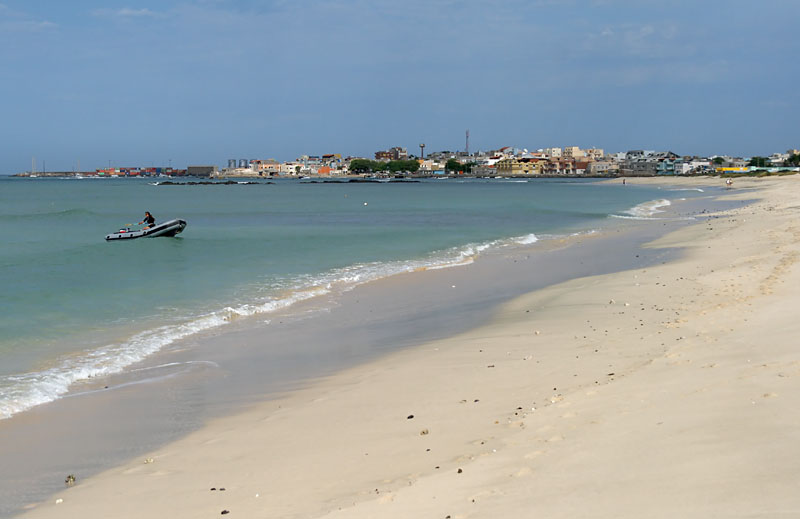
(665, 392)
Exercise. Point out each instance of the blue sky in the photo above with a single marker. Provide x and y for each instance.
(200, 81)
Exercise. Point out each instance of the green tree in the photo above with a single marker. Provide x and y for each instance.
(361, 165)
(402, 165)
(394, 166)
(794, 160)
(718, 161)
(453, 165)
(758, 162)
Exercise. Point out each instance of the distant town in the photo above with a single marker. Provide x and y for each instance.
(570, 161)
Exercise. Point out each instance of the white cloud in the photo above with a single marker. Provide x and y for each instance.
(17, 21)
(126, 12)
(640, 40)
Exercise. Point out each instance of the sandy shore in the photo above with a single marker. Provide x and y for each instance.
(661, 392)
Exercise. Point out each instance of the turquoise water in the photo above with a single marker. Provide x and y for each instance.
(76, 306)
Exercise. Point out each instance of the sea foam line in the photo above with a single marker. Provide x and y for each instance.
(644, 211)
(21, 392)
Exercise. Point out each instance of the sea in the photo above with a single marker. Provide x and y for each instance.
(75, 306)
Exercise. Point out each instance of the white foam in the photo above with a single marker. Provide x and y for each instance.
(527, 239)
(23, 391)
(645, 210)
(627, 217)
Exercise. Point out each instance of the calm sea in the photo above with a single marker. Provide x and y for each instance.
(75, 306)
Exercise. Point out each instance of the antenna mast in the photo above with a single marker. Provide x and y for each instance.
(467, 148)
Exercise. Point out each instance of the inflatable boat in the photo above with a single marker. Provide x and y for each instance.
(170, 228)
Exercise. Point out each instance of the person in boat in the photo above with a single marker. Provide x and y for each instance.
(148, 220)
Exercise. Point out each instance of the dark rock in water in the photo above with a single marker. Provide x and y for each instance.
(211, 183)
(362, 181)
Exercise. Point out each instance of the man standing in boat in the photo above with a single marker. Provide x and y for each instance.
(148, 219)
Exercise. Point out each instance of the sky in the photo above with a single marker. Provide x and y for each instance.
(191, 82)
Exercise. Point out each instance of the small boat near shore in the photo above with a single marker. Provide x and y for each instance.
(170, 228)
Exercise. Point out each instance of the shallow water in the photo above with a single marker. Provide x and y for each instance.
(105, 419)
(77, 307)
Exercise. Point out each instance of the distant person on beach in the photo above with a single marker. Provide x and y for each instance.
(728, 183)
(148, 219)
(623, 181)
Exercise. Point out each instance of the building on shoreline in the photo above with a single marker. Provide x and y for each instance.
(201, 171)
(396, 153)
(571, 161)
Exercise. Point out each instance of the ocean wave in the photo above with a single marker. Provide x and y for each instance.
(66, 213)
(527, 239)
(629, 217)
(645, 210)
(21, 392)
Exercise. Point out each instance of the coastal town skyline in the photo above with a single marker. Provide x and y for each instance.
(569, 161)
(434, 160)
(199, 81)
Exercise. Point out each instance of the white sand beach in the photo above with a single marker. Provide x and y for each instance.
(664, 392)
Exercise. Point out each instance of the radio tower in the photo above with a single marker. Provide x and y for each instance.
(467, 148)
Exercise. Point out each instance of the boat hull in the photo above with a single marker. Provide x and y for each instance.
(169, 228)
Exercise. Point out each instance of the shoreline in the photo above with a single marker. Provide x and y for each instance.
(338, 411)
(132, 345)
(175, 392)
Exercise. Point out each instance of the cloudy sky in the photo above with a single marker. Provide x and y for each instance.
(200, 81)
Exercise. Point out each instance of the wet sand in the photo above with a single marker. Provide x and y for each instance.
(621, 394)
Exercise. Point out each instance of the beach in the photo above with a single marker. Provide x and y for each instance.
(659, 391)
